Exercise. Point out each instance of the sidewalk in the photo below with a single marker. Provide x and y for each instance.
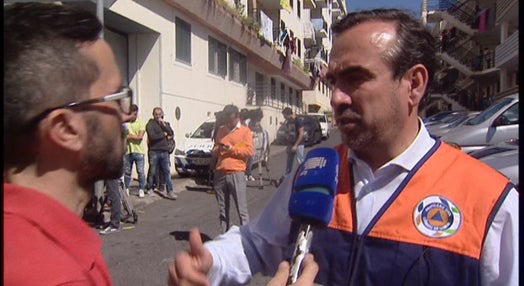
(180, 184)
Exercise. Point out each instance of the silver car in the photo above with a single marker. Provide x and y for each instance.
(437, 130)
(498, 123)
(503, 157)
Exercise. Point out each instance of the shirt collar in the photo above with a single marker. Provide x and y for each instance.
(236, 126)
(409, 157)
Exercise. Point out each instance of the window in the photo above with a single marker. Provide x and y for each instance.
(183, 41)
(273, 89)
(217, 60)
(237, 67)
(282, 93)
(298, 102)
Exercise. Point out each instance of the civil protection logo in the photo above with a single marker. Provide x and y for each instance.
(436, 216)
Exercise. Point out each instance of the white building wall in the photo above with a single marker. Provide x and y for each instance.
(161, 80)
(158, 79)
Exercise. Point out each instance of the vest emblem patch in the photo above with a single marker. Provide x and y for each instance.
(436, 216)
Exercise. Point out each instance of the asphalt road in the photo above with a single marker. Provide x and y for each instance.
(140, 253)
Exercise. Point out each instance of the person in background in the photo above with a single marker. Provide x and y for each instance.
(135, 151)
(158, 133)
(295, 144)
(244, 120)
(409, 209)
(233, 146)
(113, 187)
(63, 114)
(115, 199)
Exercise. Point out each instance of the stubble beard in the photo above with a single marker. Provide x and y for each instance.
(103, 158)
(375, 136)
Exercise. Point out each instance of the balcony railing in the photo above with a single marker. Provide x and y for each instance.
(461, 11)
(503, 7)
(507, 50)
(261, 95)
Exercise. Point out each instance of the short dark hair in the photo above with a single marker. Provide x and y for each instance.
(287, 111)
(43, 66)
(414, 45)
(244, 113)
(134, 108)
(230, 109)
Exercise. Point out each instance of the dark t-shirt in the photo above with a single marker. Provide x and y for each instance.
(293, 126)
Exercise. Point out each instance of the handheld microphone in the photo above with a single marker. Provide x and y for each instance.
(311, 203)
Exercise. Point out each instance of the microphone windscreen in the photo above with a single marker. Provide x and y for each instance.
(315, 187)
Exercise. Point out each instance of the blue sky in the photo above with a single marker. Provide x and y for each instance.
(413, 5)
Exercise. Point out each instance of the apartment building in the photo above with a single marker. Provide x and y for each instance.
(478, 52)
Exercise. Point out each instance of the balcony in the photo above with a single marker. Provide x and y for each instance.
(309, 34)
(320, 26)
(458, 15)
(335, 13)
(310, 4)
(507, 10)
(211, 15)
(507, 53)
(270, 4)
(321, 3)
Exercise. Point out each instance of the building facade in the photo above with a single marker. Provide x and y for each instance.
(478, 52)
(192, 57)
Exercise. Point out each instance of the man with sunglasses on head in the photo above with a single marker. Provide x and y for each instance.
(63, 115)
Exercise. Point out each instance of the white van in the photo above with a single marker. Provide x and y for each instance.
(324, 124)
(498, 123)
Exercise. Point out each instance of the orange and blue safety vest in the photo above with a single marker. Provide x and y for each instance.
(430, 232)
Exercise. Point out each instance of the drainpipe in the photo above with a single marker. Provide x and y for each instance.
(100, 15)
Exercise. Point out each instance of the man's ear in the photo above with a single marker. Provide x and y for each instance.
(64, 128)
(417, 77)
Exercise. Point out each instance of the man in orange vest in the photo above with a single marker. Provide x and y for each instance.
(409, 209)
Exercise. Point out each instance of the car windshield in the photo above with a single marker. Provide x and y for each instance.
(438, 116)
(321, 118)
(484, 115)
(453, 117)
(204, 131)
(461, 120)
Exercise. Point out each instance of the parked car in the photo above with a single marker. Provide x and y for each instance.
(503, 157)
(437, 116)
(324, 124)
(449, 118)
(194, 158)
(439, 129)
(312, 131)
(498, 123)
(281, 137)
